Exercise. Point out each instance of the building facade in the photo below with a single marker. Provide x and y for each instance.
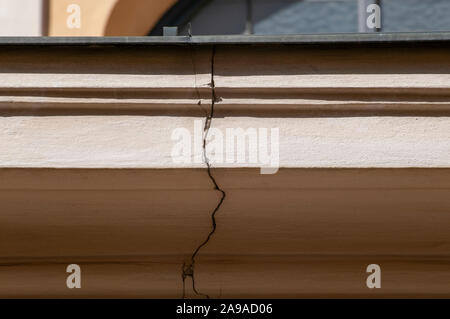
(114, 157)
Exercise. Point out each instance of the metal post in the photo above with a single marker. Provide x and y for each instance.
(249, 19)
(170, 31)
(363, 15)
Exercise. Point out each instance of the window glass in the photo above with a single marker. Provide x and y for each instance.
(315, 16)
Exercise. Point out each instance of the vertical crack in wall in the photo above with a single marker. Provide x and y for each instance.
(188, 270)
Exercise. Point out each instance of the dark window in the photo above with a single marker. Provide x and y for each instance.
(215, 17)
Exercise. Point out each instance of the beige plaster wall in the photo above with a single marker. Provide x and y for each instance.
(22, 18)
(107, 17)
(94, 17)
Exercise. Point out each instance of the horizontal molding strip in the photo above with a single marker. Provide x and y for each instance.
(283, 278)
(413, 38)
(117, 107)
(47, 179)
(248, 79)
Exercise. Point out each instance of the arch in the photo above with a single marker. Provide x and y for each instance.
(178, 15)
(135, 17)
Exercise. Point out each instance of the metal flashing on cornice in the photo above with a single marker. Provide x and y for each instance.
(299, 39)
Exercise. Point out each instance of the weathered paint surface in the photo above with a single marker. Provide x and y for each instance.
(87, 174)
